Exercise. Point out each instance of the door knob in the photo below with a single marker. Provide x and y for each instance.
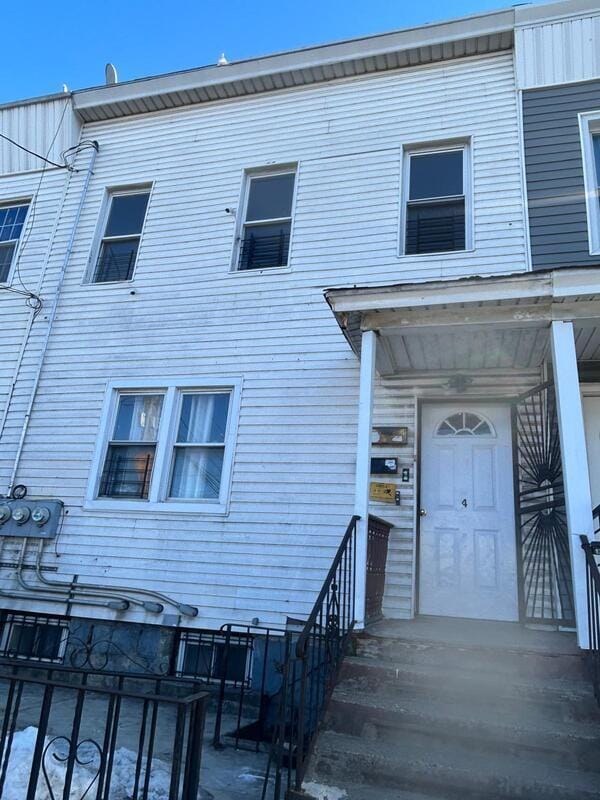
(422, 512)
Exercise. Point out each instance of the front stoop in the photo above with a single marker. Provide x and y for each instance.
(418, 719)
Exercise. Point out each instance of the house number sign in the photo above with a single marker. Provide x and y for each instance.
(382, 492)
(387, 435)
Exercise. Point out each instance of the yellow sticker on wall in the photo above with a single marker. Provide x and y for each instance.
(382, 492)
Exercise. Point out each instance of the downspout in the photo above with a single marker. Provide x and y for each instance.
(52, 317)
(32, 315)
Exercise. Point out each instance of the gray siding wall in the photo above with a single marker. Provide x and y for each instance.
(554, 167)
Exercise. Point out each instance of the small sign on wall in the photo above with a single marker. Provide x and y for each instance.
(382, 492)
(389, 435)
(384, 466)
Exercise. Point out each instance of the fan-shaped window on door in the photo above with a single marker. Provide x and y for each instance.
(464, 423)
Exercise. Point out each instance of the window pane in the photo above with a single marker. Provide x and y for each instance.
(197, 660)
(436, 175)
(435, 228)
(203, 418)
(11, 222)
(116, 260)
(271, 197)
(127, 471)
(126, 214)
(265, 246)
(138, 418)
(235, 668)
(596, 141)
(197, 472)
(6, 256)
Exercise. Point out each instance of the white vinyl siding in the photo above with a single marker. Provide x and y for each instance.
(292, 479)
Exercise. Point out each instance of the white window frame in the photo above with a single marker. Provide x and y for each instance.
(158, 499)
(12, 203)
(589, 124)
(466, 146)
(248, 176)
(111, 192)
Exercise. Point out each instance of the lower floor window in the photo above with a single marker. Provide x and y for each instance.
(168, 444)
(36, 638)
(210, 656)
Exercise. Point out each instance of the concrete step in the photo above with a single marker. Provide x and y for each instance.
(502, 662)
(386, 718)
(552, 696)
(444, 770)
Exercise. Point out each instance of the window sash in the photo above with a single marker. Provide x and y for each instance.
(102, 268)
(259, 253)
(155, 492)
(416, 239)
(13, 243)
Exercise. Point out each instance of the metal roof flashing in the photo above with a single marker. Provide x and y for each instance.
(474, 35)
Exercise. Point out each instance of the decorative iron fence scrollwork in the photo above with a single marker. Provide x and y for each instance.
(76, 734)
(546, 591)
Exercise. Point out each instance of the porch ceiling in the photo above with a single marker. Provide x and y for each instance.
(495, 323)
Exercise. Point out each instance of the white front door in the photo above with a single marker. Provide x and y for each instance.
(467, 559)
(591, 418)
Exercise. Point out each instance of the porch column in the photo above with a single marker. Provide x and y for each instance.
(578, 498)
(363, 466)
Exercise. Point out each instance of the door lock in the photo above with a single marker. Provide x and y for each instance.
(464, 502)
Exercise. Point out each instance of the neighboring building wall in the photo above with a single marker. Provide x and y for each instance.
(293, 474)
(554, 167)
(46, 126)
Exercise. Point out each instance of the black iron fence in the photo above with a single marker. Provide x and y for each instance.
(592, 558)
(377, 548)
(73, 734)
(312, 662)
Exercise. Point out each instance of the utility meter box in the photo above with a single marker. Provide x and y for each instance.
(30, 518)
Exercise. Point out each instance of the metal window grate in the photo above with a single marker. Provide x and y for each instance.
(260, 252)
(33, 637)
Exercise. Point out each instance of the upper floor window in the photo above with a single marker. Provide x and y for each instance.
(12, 220)
(169, 447)
(120, 241)
(590, 139)
(264, 236)
(435, 200)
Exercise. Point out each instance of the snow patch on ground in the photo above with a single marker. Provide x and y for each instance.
(84, 777)
(322, 792)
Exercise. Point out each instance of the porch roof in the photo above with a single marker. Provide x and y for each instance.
(471, 323)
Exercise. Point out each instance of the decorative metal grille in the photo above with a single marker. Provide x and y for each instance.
(544, 560)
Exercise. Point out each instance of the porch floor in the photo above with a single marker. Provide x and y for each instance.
(476, 633)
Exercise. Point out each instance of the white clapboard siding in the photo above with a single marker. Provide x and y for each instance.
(45, 193)
(189, 316)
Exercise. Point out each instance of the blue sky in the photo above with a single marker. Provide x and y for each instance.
(59, 41)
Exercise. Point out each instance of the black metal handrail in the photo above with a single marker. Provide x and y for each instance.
(592, 551)
(310, 670)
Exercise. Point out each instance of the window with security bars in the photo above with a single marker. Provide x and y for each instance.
(131, 449)
(210, 656)
(267, 222)
(33, 637)
(167, 445)
(121, 238)
(12, 220)
(435, 220)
